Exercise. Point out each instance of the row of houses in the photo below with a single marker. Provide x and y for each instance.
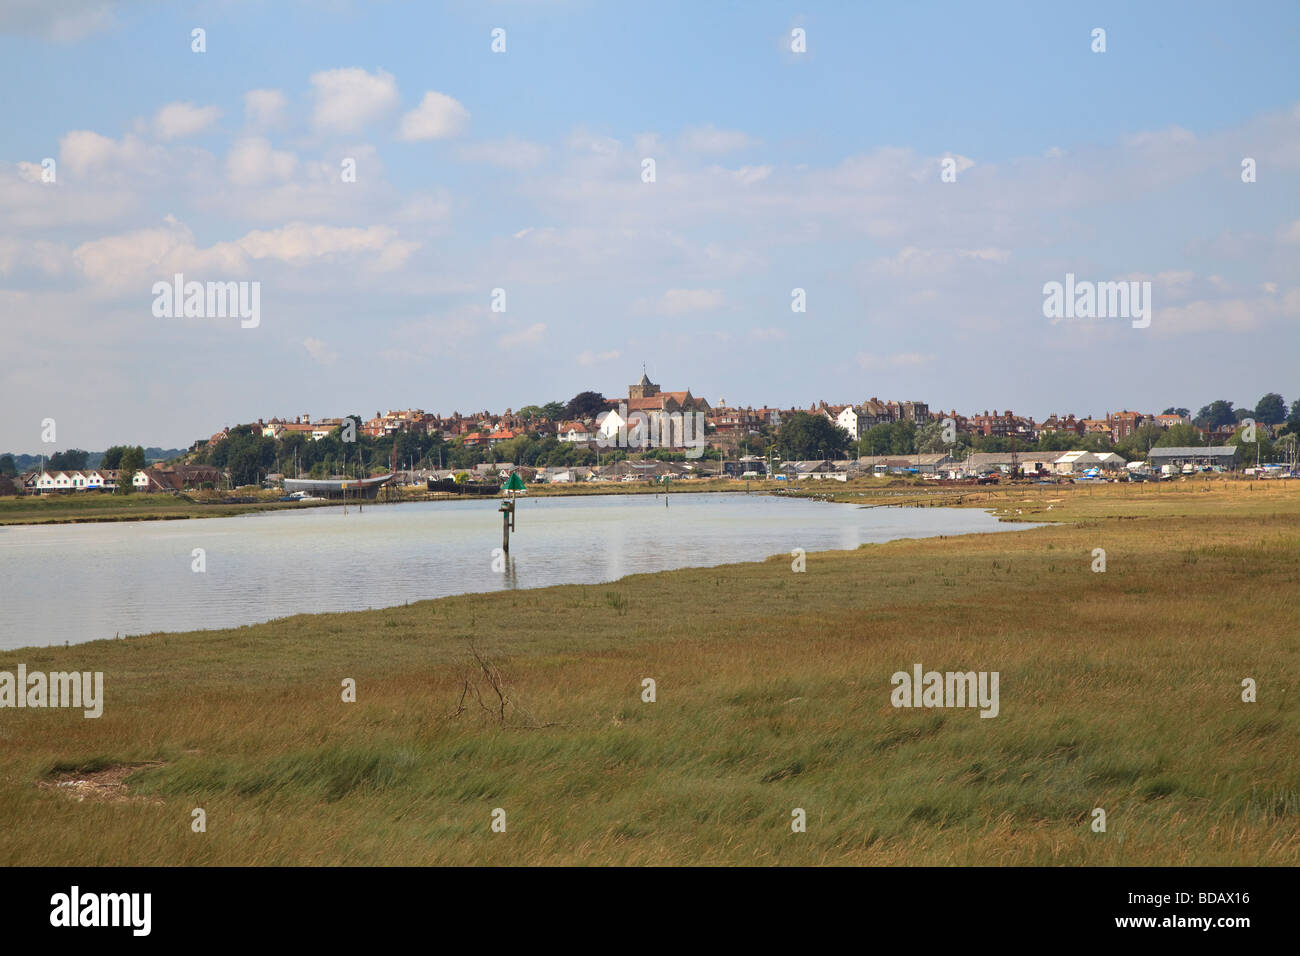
(153, 478)
(725, 424)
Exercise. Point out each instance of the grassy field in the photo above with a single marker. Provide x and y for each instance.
(1119, 690)
(93, 506)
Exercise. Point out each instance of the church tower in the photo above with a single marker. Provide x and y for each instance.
(644, 388)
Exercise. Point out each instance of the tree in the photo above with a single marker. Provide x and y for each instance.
(74, 459)
(929, 438)
(1185, 413)
(803, 436)
(1261, 449)
(1179, 436)
(1137, 444)
(1061, 440)
(585, 405)
(1218, 412)
(1270, 409)
(131, 461)
(553, 411)
(7, 466)
(112, 459)
(245, 465)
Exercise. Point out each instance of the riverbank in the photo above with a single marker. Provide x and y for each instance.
(1118, 690)
(81, 507)
(84, 507)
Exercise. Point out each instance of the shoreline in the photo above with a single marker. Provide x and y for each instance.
(160, 507)
(104, 509)
(612, 582)
(773, 692)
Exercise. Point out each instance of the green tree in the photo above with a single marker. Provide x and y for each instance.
(131, 461)
(1185, 413)
(1217, 413)
(896, 438)
(112, 459)
(553, 411)
(1058, 441)
(8, 466)
(1180, 436)
(1137, 445)
(1261, 449)
(245, 465)
(1271, 409)
(74, 459)
(585, 405)
(803, 436)
(929, 438)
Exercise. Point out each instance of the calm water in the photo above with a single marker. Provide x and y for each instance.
(83, 582)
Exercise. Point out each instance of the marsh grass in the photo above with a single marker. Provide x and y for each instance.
(1119, 690)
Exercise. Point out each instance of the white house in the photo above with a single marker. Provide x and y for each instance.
(573, 432)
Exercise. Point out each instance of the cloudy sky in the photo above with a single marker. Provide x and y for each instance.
(522, 170)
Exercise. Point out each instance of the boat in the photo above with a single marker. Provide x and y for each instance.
(451, 486)
(336, 488)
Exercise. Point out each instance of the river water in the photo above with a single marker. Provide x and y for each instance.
(81, 582)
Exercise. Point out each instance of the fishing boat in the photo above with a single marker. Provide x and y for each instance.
(337, 488)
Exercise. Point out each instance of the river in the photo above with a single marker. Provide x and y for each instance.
(82, 582)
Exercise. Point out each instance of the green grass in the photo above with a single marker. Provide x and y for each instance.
(1119, 690)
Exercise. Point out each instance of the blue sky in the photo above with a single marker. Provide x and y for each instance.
(521, 171)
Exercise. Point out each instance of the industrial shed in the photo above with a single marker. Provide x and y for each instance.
(1225, 456)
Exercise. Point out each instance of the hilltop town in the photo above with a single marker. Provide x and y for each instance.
(649, 434)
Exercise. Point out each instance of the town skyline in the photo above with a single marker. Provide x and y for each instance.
(986, 422)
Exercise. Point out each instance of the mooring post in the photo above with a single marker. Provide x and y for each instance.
(505, 528)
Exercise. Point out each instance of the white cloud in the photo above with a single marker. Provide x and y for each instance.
(680, 301)
(32, 172)
(871, 361)
(119, 261)
(81, 150)
(319, 351)
(252, 161)
(529, 336)
(745, 175)
(507, 153)
(963, 162)
(437, 117)
(24, 255)
(265, 108)
(985, 255)
(589, 357)
(710, 139)
(348, 98)
(178, 120)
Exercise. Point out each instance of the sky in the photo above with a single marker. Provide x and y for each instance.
(523, 170)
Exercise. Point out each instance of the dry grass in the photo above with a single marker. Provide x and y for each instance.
(1118, 690)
